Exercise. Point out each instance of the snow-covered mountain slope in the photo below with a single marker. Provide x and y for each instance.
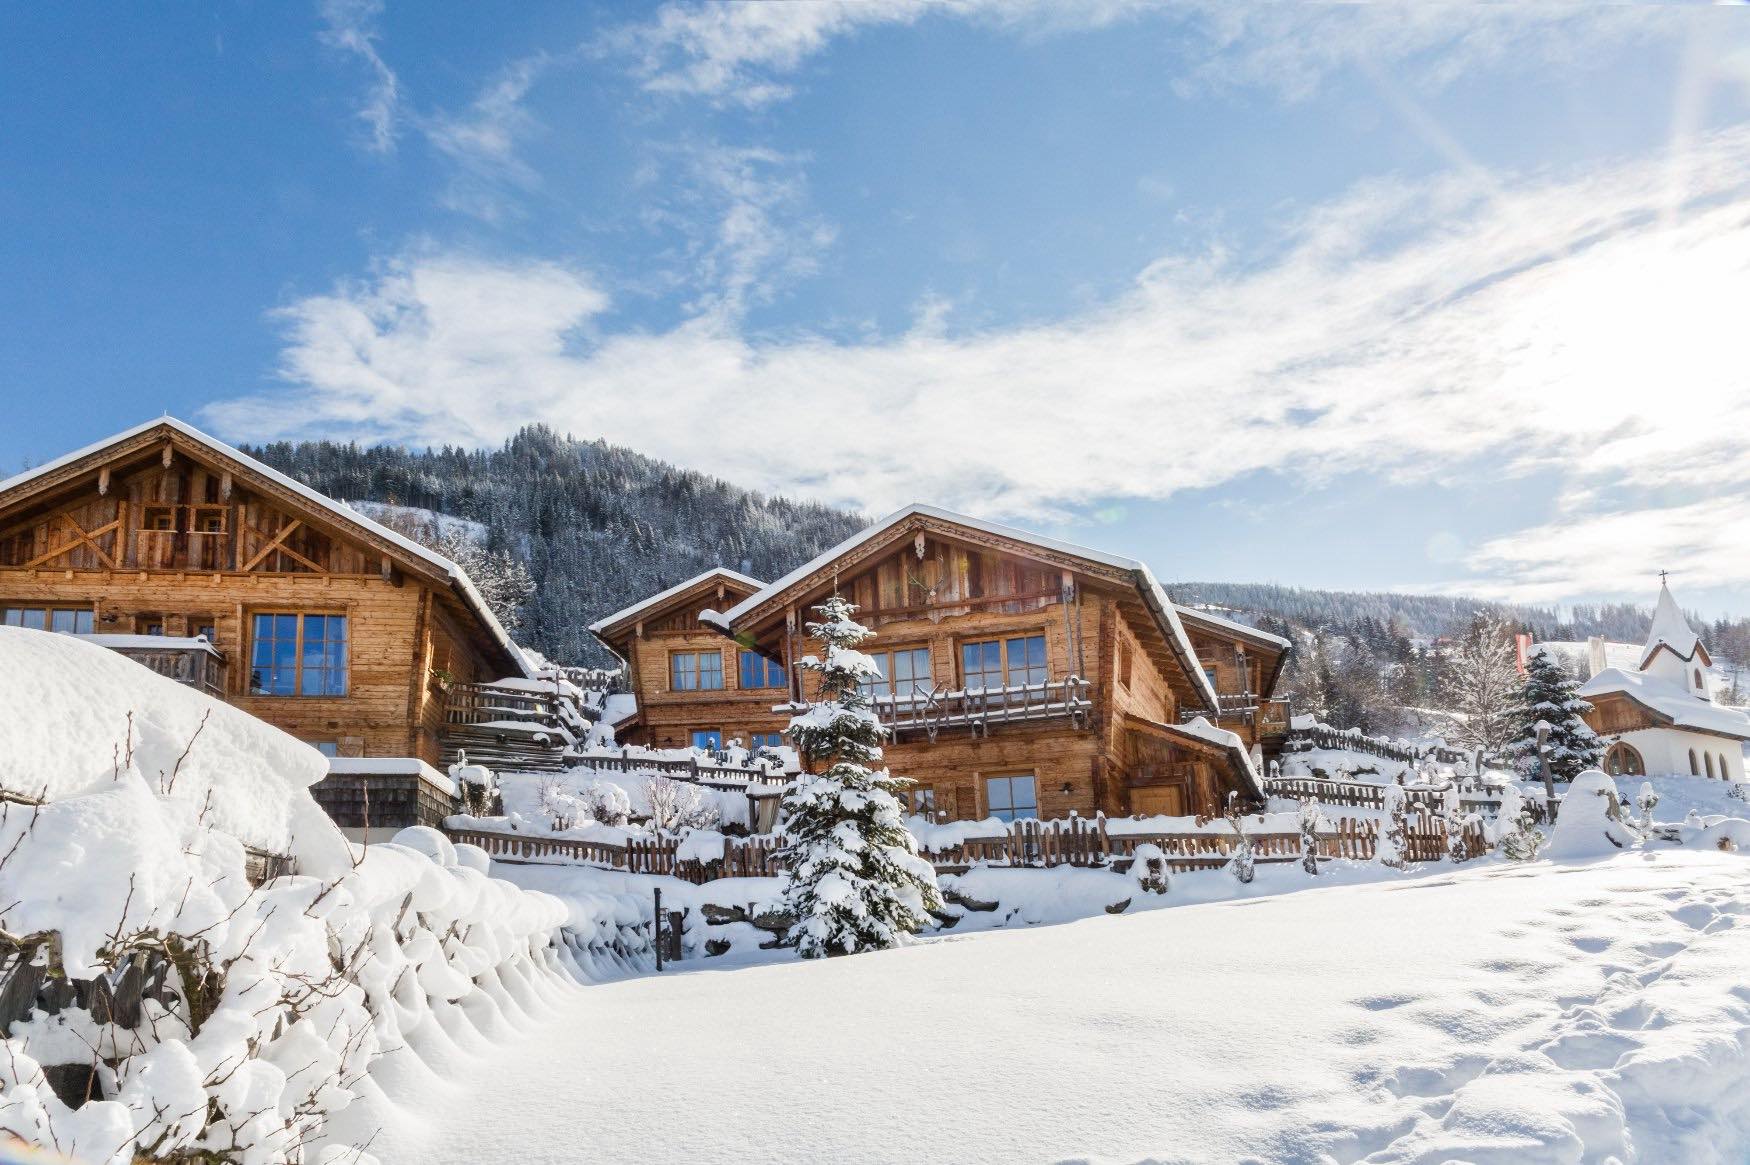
(1513, 1013)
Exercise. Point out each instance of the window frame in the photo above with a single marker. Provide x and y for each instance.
(49, 610)
(298, 670)
(764, 668)
(698, 672)
(882, 688)
(1006, 668)
(715, 734)
(987, 783)
(757, 740)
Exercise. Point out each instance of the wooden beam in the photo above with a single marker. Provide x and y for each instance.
(285, 531)
(103, 481)
(80, 538)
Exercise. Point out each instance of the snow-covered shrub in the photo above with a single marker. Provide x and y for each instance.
(1517, 838)
(608, 803)
(1590, 822)
(1646, 802)
(676, 805)
(1241, 864)
(478, 786)
(1310, 820)
(853, 878)
(562, 805)
(1148, 868)
(1394, 839)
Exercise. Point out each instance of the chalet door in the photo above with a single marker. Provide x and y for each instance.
(1153, 800)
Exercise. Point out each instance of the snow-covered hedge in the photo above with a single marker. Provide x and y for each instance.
(277, 1003)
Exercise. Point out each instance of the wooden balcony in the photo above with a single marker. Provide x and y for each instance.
(1271, 716)
(509, 727)
(194, 663)
(979, 708)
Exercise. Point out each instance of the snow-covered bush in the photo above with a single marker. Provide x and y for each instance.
(676, 805)
(1310, 820)
(264, 1008)
(853, 878)
(1590, 822)
(1148, 868)
(1394, 839)
(1646, 801)
(606, 802)
(478, 786)
(1241, 864)
(562, 805)
(1518, 839)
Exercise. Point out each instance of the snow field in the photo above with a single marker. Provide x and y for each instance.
(1524, 1013)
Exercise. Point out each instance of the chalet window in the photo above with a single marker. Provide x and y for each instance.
(1011, 798)
(159, 518)
(325, 747)
(203, 627)
(1694, 765)
(1124, 664)
(695, 671)
(1698, 683)
(905, 674)
(1709, 758)
(998, 663)
(759, 672)
(148, 625)
(1622, 760)
(766, 739)
(708, 738)
(298, 655)
(68, 620)
(1209, 670)
(923, 801)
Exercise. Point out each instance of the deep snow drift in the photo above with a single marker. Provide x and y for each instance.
(1505, 1013)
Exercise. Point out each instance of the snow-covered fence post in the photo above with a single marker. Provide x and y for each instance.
(853, 879)
(1392, 850)
(1309, 836)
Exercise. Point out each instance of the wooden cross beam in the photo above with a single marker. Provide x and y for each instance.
(81, 537)
(273, 543)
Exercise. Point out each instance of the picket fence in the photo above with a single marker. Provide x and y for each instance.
(1088, 843)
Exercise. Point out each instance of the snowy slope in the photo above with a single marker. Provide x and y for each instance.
(1504, 1014)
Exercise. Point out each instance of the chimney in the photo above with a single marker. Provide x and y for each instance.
(1522, 643)
(1595, 654)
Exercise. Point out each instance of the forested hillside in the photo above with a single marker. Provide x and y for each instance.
(599, 526)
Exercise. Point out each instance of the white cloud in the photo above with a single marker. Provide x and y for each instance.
(1577, 324)
(350, 27)
(482, 143)
(744, 51)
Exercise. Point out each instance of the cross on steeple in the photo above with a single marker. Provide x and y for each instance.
(1663, 575)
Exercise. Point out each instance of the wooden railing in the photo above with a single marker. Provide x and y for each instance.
(489, 703)
(1028, 844)
(1272, 716)
(1473, 796)
(194, 667)
(1319, 736)
(979, 708)
(689, 769)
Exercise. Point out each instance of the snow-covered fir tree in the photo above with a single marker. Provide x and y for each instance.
(1482, 687)
(853, 879)
(1550, 695)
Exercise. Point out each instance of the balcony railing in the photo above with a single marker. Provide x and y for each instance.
(1272, 716)
(505, 727)
(194, 662)
(979, 708)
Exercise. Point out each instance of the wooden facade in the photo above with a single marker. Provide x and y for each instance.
(690, 681)
(1022, 677)
(332, 628)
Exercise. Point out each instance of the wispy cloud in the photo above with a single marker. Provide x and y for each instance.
(1580, 324)
(746, 52)
(483, 141)
(350, 27)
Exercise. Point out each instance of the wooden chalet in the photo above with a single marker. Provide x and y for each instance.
(693, 688)
(214, 569)
(1024, 677)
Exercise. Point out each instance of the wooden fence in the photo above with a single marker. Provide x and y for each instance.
(1029, 844)
(1473, 797)
(1319, 736)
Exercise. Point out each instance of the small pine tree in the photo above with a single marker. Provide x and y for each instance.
(1309, 836)
(853, 878)
(1550, 695)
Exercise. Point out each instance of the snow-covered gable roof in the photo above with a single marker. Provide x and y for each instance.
(341, 513)
(657, 600)
(1670, 629)
(1684, 709)
(1245, 630)
(1165, 612)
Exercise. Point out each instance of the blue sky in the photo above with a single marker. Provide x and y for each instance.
(1371, 296)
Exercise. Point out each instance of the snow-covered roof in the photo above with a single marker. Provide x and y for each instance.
(1670, 629)
(1201, 729)
(390, 766)
(1164, 609)
(338, 510)
(680, 588)
(1685, 709)
(1200, 615)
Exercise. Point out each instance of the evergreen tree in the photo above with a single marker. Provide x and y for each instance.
(1394, 839)
(1482, 687)
(853, 877)
(1550, 695)
(1309, 836)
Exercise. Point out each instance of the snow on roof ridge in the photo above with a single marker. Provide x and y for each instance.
(1145, 577)
(1670, 628)
(339, 509)
(678, 588)
(1234, 624)
(1686, 709)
